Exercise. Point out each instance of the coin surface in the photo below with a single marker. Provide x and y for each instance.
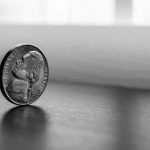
(24, 74)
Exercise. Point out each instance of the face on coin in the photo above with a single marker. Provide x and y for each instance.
(24, 74)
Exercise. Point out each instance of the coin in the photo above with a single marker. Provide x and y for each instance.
(24, 74)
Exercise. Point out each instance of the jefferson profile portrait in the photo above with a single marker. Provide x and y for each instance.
(26, 73)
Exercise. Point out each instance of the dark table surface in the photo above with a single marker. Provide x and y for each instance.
(78, 117)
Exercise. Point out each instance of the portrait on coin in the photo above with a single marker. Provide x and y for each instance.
(26, 72)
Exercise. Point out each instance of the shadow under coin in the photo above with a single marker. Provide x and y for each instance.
(24, 128)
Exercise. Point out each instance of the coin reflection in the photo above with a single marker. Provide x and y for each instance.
(24, 128)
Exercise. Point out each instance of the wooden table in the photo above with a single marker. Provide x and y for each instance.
(79, 117)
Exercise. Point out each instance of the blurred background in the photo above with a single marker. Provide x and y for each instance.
(75, 12)
(85, 41)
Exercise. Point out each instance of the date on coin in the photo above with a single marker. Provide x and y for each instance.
(24, 74)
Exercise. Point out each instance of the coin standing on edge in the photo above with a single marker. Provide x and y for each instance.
(24, 74)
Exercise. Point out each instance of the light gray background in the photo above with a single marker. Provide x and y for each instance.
(114, 55)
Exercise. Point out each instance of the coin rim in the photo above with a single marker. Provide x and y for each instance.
(4, 92)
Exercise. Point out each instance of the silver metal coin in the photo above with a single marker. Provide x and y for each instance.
(24, 74)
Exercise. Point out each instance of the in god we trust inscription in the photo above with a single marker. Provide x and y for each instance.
(24, 74)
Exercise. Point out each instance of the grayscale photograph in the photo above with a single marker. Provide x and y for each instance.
(75, 74)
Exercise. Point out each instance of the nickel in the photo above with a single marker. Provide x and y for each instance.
(24, 74)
